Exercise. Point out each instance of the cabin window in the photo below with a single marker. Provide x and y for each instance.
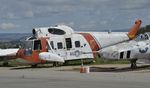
(52, 44)
(56, 31)
(68, 43)
(37, 45)
(77, 43)
(121, 55)
(128, 54)
(59, 45)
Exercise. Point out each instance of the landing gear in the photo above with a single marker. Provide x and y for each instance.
(55, 64)
(34, 65)
(133, 63)
(5, 64)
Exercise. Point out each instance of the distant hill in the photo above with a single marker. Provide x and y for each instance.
(6, 37)
(12, 40)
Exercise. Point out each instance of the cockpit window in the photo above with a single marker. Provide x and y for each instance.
(56, 31)
(37, 45)
(142, 37)
(27, 44)
(146, 37)
(31, 44)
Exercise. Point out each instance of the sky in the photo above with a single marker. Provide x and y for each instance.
(21, 16)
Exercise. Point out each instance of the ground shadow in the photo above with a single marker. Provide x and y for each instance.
(115, 69)
(92, 69)
(30, 67)
(6, 66)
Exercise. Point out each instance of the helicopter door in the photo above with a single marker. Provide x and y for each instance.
(57, 44)
(68, 43)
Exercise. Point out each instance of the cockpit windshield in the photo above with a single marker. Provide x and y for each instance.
(142, 37)
(31, 44)
(27, 44)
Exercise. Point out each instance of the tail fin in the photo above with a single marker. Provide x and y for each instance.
(134, 29)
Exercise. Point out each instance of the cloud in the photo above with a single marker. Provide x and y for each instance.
(41, 8)
(10, 15)
(45, 8)
(8, 26)
(29, 13)
(66, 23)
(90, 25)
(80, 14)
(135, 4)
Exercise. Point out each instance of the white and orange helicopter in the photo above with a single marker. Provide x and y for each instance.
(61, 43)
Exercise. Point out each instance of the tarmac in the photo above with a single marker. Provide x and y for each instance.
(70, 77)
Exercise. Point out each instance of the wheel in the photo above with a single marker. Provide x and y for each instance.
(133, 63)
(34, 65)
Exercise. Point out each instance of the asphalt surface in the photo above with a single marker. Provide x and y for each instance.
(63, 77)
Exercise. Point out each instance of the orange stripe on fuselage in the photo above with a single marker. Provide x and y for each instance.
(93, 44)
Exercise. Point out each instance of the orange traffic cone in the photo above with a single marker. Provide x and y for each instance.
(82, 69)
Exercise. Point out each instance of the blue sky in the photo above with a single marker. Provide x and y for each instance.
(21, 16)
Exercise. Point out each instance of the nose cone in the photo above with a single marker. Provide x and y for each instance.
(47, 56)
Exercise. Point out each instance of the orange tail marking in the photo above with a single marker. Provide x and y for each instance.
(134, 29)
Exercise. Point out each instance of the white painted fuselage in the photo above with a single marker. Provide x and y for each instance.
(138, 48)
